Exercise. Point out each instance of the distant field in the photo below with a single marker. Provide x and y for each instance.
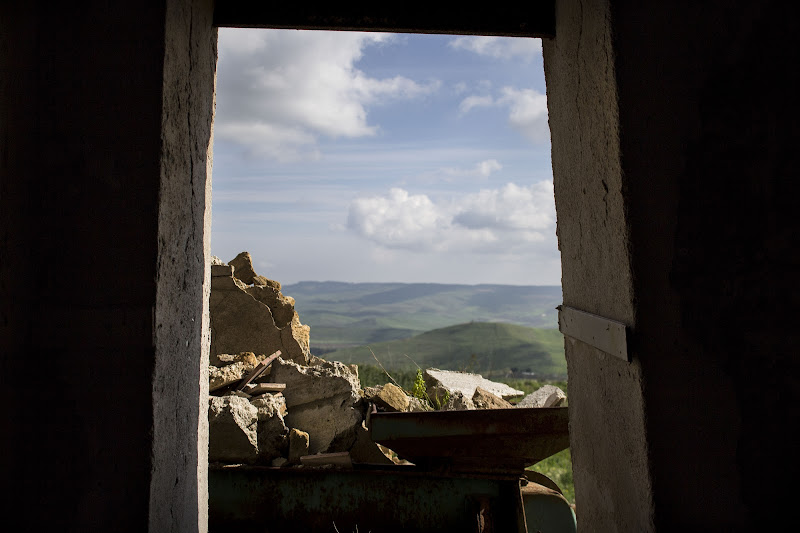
(489, 348)
(355, 314)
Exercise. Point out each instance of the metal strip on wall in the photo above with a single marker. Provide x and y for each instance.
(609, 336)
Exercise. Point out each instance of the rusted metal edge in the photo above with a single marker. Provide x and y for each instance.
(609, 336)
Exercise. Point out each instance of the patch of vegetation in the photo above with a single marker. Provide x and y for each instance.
(558, 467)
(373, 376)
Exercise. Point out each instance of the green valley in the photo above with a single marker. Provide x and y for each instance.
(489, 348)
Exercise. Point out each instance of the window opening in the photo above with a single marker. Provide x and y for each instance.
(396, 186)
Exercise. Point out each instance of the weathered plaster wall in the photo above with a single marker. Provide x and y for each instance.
(88, 252)
(179, 492)
(607, 425)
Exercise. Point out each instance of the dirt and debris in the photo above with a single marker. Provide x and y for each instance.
(546, 396)
(273, 403)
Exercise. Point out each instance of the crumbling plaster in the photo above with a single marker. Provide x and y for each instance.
(608, 438)
(179, 495)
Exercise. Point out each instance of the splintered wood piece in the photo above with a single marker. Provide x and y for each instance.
(258, 370)
(321, 459)
(261, 388)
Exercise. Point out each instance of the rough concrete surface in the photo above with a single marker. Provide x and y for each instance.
(483, 399)
(178, 490)
(323, 401)
(392, 398)
(241, 323)
(298, 445)
(272, 430)
(608, 439)
(243, 268)
(466, 383)
(545, 396)
(233, 430)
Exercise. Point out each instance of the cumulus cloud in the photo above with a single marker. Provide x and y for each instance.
(527, 110)
(485, 168)
(499, 47)
(489, 220)
(279, 90)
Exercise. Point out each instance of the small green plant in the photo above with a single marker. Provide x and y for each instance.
(418, 390)
(438, 402)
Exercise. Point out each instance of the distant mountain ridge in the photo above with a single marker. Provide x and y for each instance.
(345, 314)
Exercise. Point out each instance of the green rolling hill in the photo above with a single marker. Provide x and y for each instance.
(343, 315)
(489, 348)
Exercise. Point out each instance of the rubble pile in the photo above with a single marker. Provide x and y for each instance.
(273, 403)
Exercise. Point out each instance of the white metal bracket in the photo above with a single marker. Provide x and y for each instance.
(604, 334)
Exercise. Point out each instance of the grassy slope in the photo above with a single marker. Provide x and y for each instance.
(488, 348)
(353, 314)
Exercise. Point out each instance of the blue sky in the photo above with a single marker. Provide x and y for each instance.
(373, 157)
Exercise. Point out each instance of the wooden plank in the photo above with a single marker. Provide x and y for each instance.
(255, 389)
(321, 459)
(258, 370)
(609, 336)
(534, 18)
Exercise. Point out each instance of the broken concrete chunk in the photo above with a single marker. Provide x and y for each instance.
(221, 271)
(309, 384)
(458, 402)
(232, 428)
(240, 323)
(483, 399)
(467, 383)
(226, 283)
(443, 399)
(219, 377)
(262, 281)
(391, 398)
(546, 396)
(370, 392)
(282, 308)
(298, 445)
(365, 450)
(216, 260)
(415, 405)
(322, 401)
(272, 431)
(244, 357)
(270, 404)
(296, 340)
(243, 267)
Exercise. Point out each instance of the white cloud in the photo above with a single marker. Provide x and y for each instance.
(279, 90)
(499, 47)
(471, 102)
(487, 221)
(485, 168)
(527, 110)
